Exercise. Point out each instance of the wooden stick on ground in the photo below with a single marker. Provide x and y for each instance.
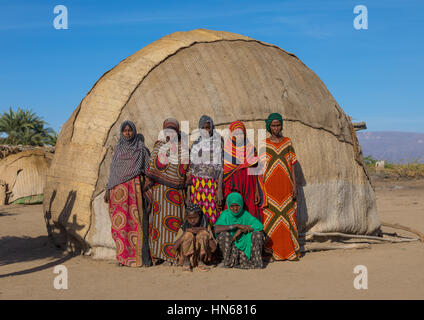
(345, 235)
(329, 246)
(398, 226)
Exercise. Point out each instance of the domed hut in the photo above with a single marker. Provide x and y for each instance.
(23, 174)
(229, 77)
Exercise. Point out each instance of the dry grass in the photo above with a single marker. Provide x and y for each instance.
(412, 170)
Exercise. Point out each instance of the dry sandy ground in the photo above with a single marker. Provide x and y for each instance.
(395, 271)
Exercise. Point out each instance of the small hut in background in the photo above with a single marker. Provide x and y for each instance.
(23, 174)
(229, 77)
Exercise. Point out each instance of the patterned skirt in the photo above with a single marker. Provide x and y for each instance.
(166, 218)
(281, 237)
(204, 193)
(129, 224)
(235, 258)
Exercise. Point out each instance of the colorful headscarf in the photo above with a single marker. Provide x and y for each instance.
(271, 117)
(238, 156)
(130, 157)
(237, 125)
(242, 217)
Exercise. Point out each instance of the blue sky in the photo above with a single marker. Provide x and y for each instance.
(375, 74)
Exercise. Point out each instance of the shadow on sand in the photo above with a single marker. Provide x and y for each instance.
(26, 249)
(58, 245)
(14, 249)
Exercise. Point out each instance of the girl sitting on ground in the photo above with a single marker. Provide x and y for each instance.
(240, 236)
(194, 242)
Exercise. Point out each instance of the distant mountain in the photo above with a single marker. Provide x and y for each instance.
(392, 146)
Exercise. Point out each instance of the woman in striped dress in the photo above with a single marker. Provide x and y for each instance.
(165, 190)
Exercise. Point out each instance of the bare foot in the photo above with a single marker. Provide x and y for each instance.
(186, 265)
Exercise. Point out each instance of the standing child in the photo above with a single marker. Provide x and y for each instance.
(194, 243)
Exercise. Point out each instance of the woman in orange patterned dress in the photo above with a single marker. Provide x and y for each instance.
(281, 191)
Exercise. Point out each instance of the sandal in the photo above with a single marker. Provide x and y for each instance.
(186, 268)
(203, 267)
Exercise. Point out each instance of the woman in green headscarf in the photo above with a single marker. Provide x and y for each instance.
(240, 235)
(280, 226)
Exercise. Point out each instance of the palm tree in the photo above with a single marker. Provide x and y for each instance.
(52, 137)
(26, 128)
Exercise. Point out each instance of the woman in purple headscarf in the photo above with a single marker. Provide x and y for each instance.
(125, 198)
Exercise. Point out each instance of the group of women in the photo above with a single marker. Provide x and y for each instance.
(199, 206)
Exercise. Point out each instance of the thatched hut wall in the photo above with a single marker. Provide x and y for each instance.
(25, 173)
(230, 77)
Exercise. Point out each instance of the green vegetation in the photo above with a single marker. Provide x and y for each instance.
(370, 161)
(24, 127)
(412, 169)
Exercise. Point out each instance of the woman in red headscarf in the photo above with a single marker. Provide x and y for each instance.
(240, 176)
